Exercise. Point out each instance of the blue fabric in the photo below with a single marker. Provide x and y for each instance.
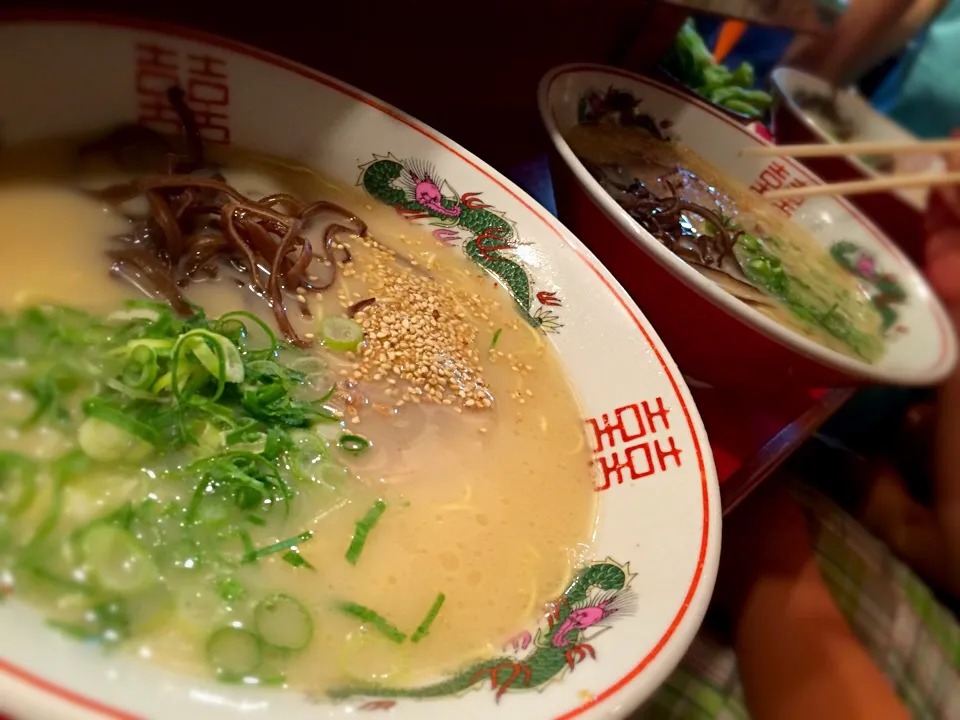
(923, 94)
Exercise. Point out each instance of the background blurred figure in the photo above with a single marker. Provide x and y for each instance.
(922, 92)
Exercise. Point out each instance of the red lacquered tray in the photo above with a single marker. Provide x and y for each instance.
(750, 440)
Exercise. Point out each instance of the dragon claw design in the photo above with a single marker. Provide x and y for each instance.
(578, 653)
(517, 670)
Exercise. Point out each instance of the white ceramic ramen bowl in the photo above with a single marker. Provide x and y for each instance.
(714, 336)
(898, 213)
(658, 538)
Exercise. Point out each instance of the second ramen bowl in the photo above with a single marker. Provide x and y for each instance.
(715, 337)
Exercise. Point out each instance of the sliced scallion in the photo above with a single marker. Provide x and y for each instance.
(287, 544)
(362, 528)
(423, 629)
(283, 622)
(106, 441)
(294, 558)
(340, 333)
(373, 619)
(18, 486)
(215, 353)
(353, 444)
(117, 561)
(230, 589)
(239, 319)
(101, 409)
(234, 653)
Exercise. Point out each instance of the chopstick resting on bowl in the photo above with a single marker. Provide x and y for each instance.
(930, 147)
(859, 187)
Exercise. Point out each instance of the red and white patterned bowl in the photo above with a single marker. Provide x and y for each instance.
(658, 537)
(714, 337)
(898, 213)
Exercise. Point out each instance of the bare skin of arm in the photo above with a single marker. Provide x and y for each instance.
(869, 31)
(798, 657)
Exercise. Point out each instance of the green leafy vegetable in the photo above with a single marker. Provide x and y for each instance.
(691, 62)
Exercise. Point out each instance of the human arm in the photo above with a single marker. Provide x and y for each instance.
(798, 657)
(869, 31)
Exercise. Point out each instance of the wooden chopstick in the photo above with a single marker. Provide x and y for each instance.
(855, 148)
(858, 187)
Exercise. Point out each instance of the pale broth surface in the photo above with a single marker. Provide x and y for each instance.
(493, 507)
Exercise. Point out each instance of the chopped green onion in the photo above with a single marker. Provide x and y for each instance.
(231, 589)
(294, 558)
(353, 444)
(135, 314)
(118, 562)
(423, 629)
(103, 410)
(283, 622)
(141, 369)
(363, 527)
(252, 479)
(234, 653)
(66, 584)
(496, 338)
(107, 623)
(248, 547)
(239, 317)
(18, 485)
(256, 520)
(340, 333)
(374, 619)
(217, 355)
(278, 547)
(105, 441)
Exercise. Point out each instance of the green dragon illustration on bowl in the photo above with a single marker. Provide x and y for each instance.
(487, 237)
(886, 290)
(598, 595)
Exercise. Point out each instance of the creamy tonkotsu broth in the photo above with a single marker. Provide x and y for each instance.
(219, 530)
(725, 231)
